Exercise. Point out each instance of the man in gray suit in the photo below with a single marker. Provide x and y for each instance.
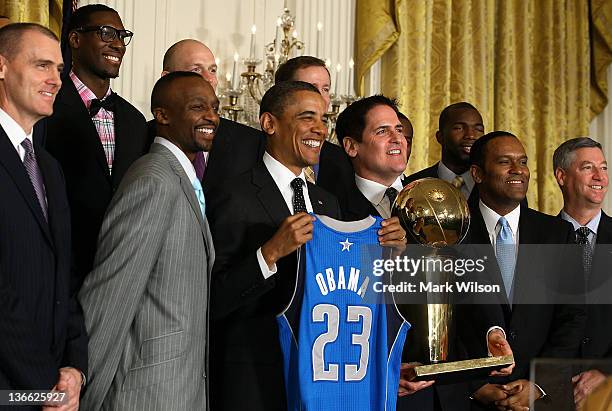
(146, 300)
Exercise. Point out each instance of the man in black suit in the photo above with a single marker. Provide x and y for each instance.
(257, 227)
(334, 169)
(236, 147)
(93, 133)
(460, 125)
(362, 196)
(258, 222)
(499, 169)
(43, 344)
(373, 137)
(581, 171)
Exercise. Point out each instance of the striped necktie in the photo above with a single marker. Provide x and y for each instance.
(31, 166)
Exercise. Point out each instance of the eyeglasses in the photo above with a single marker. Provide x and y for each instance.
(108, 34)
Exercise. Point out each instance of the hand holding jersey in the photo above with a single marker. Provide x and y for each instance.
(341, 341)
(294, 232)
(392, 234)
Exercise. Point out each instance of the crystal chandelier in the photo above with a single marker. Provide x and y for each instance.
(241, 97)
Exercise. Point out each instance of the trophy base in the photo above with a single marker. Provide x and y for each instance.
(459, 371)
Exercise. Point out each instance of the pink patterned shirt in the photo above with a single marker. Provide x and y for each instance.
(104, 120)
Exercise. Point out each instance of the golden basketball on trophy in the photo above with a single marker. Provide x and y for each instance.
(436, 217)
(433, 212)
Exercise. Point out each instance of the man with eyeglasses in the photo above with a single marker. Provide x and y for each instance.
(94, 133)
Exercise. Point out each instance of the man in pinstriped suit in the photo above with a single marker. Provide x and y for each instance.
(146, 300)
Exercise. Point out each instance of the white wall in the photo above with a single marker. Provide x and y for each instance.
(225, 26)
(601, 130)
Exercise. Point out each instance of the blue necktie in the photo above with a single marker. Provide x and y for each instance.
(505, 253)
(199, 193)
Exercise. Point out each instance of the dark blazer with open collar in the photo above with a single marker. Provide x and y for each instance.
(73, 140)
(244, 213)
(41, 323)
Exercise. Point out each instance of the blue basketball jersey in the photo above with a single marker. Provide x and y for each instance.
(341, 343)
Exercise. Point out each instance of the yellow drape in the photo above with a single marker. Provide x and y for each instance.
(523, 63)
(601, 52)
(45, 12)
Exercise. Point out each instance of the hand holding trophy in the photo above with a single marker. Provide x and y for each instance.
(436, 216)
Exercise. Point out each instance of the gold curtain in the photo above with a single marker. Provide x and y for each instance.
(523, 63)
(44, 12)
(377, 32)
(601, 52)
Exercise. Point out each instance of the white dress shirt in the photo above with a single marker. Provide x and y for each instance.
(15, 133)
(180, 156)
(375, 193)
(593, 225)
(491, 218)
(282, 177)
(447, 175)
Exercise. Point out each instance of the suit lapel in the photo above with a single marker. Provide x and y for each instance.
(221, 144)
(604, 231)
(601, 258)
(185, 186)
(319, 204)
(361, 206)
(54, 190)
(268, 194)
(13, 165)
(127, 145)
(526, 236)
(70, 98)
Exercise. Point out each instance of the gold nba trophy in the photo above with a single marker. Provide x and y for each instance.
(435, 214)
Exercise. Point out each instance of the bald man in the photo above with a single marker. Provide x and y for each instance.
(191, 55)
(236, 147)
